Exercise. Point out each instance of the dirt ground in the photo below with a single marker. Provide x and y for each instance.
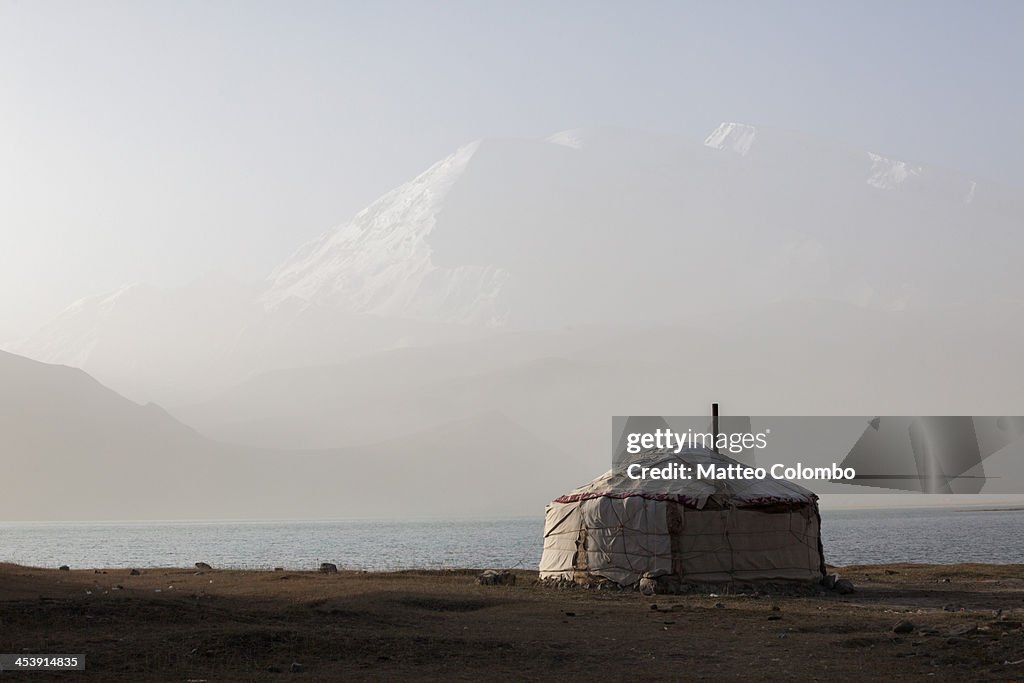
(177, 625)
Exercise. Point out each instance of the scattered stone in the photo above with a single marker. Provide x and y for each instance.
(654, 606)
(570, 614)
(328, 568)
(278, 569)
(776, 608)
(1007, 625)
(296, 667)
(495, 577)
(951, 607)
(963, 630)
(844, 587)
(134, 572)
(890, 572)
(774, 617)
(903, 626)
(720, 605)
(64, 568)
(946, 580)
(203, 566)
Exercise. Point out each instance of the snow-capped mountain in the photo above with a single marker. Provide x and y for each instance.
(590, 225)
(585, 226)
(381, 263)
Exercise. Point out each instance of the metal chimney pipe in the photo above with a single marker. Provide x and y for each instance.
(714, 423)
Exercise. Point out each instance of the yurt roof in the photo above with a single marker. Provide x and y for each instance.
(693, 492)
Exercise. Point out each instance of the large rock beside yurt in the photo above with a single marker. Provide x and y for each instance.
(683, 531)
(495, 577)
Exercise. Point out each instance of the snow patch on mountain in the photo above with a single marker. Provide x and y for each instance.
(71, 338)
(567, 138)
(887, 174)
(736, 137)
(970, 193)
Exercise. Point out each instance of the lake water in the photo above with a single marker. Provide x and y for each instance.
(849, 537)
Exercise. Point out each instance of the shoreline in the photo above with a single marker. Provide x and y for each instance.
(944, 507)
(858, 566)
(468, 570)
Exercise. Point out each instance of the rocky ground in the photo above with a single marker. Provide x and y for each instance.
(902, 622)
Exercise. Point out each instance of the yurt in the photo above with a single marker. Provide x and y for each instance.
(683, 531)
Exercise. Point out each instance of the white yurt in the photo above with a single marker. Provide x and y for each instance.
(678, 531)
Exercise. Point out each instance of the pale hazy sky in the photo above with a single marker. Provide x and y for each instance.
(156, 141)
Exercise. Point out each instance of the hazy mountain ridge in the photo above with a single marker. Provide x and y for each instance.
(801, 358)
(77, 403)
(91, 454)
